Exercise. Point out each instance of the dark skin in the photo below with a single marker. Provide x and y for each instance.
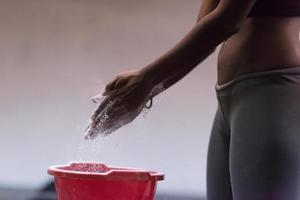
(261, 44)
(248, 45)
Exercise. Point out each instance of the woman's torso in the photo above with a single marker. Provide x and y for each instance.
(263, 43)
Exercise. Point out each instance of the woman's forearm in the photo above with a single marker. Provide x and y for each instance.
(178, 76)
(205, 36)
(174, 79)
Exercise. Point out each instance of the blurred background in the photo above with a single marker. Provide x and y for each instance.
(55, 55)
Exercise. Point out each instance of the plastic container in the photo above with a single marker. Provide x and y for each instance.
(96, 181)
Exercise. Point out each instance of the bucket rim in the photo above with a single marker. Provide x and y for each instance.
(113, 172)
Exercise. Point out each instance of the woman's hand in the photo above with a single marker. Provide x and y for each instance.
(126, 79)
(125, 97)
(132, 87)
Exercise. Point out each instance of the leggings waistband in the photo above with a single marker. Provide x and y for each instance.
(290, 70)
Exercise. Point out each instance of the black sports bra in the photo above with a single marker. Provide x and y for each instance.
(288, 8)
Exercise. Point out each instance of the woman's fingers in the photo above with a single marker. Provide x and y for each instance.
(117, 83)
(100, 108)
(98, 98)
(116, 110)
(113, 100)
(110, 99)
(110, 86)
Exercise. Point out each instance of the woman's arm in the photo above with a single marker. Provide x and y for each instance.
(206, 7)
(221, 23)
(127, 94)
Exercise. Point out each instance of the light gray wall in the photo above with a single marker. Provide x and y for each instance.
(56, 54)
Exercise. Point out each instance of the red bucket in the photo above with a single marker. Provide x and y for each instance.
(96, 181)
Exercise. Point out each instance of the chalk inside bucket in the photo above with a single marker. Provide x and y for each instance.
(86, 167)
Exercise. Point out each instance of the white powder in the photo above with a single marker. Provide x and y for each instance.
(90, 150)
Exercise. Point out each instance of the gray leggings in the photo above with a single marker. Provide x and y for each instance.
(254, 146)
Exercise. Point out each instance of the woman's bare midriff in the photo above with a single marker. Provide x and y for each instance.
(262, 44)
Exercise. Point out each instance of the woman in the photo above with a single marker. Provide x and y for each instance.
(254, 147)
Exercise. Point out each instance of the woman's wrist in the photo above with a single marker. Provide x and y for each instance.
(149, 76)
(156, 73)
